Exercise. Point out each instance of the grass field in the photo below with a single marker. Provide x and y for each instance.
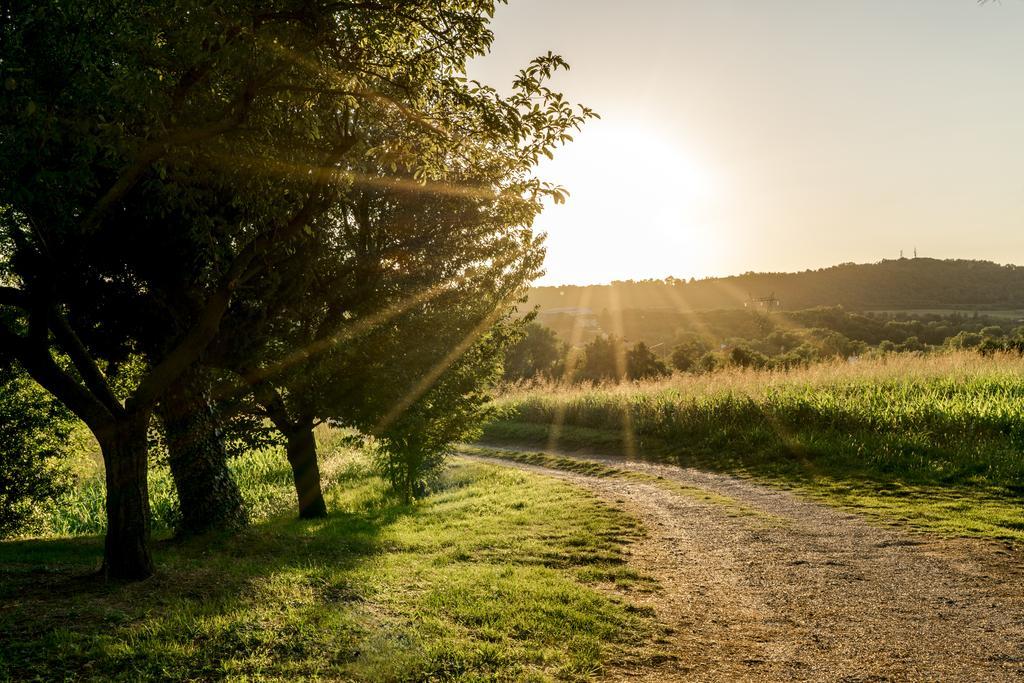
(933, 441)
(497, 575)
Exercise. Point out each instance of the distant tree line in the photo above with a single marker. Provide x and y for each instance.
(896, 284)
(705, 342)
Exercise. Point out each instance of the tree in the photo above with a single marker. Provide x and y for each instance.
(709, 362)
(399, 250)
(641, 363)
(602, 359)
(687, 352)
(156, 178)
(607, 358)
(208, 496)
(964, 340)
(745, 357)
(538, 353)
(912, 344)
(105, 131)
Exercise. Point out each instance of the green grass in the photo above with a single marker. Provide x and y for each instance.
(937, 443)
(591, 468)
(497, 575)
(262, 476)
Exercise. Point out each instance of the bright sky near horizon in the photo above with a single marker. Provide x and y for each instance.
(777, 135)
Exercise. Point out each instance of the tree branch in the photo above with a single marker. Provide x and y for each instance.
(12, 296)
(243, 268)
(152, 153)
(38, 362)
(84, 363)
(275, 408)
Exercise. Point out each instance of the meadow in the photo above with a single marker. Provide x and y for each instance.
(936, 441)
(495, 575)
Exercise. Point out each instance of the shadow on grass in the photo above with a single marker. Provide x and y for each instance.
(486, 579)
(60, 619)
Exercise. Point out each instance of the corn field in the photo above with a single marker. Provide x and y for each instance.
(955, 417)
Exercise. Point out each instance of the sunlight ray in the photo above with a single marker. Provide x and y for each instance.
(346, 177)
(680, 302)
(575, 339)
(783, 433)
(434, 374)
(341, 86)
(360, 326)
(619, 330)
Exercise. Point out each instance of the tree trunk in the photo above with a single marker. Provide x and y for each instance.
(124, 448)
(301, 449)
(207, 493)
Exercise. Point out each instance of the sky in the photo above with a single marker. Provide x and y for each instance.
(777, 135)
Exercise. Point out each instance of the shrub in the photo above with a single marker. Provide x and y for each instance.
(34, 433)
(413, 443)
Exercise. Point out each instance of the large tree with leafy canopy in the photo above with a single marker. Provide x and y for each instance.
(161, 162)
(456, 251)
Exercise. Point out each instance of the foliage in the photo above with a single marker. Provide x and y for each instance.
(415, 441)
(609, 359)
(641, 363)
(1014, 345)
(687, 352)
(251, 143)
(537, 354)
(743, 357)
(603, 359)
(711, 340)
(34, 439)
(964, 340)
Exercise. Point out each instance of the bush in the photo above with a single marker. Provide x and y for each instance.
(709, 362)
(602, 359)
(744, 357)
(964, 340)
(413, 443)
(34, 433)
(607, 358)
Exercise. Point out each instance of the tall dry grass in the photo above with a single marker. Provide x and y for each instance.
(955, 417)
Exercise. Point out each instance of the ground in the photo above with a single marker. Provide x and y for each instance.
(497, 575)
(528, 566)
(756, 583)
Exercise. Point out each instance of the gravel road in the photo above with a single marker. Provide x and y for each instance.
(795, 590)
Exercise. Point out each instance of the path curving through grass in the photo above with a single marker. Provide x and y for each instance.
(790, 589)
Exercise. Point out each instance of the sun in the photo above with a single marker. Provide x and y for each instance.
(637, 198)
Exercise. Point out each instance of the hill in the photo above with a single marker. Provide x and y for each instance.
(901, 284)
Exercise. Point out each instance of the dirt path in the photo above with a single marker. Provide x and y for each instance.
(800, 591)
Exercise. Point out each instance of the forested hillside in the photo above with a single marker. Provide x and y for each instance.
(919, 283)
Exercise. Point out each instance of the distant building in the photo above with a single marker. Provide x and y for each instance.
(764, 303)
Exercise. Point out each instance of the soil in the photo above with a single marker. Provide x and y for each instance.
(795, 590)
